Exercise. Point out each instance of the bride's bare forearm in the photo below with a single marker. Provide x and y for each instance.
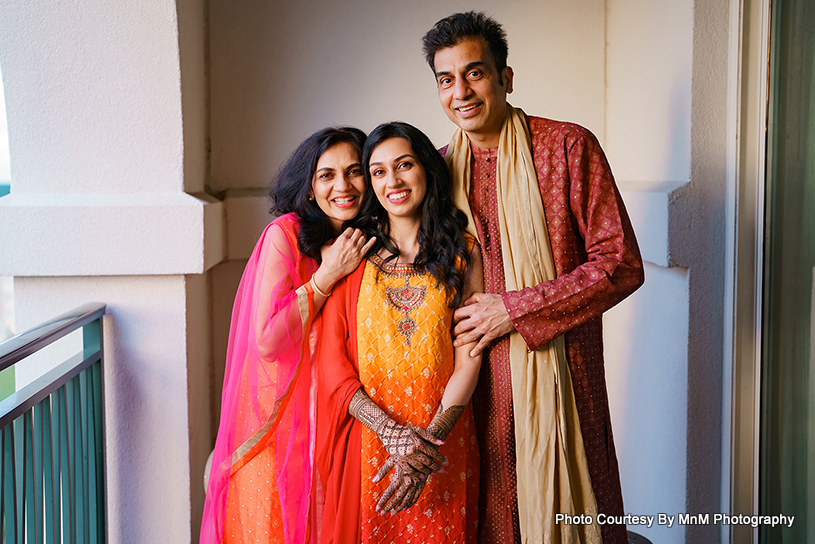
(457, 393)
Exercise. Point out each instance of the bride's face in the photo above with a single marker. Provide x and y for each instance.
(398, 178)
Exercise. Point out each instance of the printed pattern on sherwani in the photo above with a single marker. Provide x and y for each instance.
(492, 400)
(404, 369)
(598, 264)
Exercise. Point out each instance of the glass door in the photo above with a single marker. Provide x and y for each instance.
(787, 455)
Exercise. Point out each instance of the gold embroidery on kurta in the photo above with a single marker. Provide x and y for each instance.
(405, 299)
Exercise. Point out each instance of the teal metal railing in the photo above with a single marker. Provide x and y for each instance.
(52, 457)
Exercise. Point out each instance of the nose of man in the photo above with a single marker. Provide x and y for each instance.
(461, 89)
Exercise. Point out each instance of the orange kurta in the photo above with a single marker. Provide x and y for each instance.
(253, 512)
(260, 485)
(399, 323)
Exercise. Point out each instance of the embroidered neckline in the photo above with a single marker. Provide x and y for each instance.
(406, 299)
(401, 270)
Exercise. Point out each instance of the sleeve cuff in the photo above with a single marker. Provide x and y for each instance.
(515, 303)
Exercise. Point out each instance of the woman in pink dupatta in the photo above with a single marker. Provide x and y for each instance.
(260, 485)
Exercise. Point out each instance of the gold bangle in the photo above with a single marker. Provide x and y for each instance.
(317, 289)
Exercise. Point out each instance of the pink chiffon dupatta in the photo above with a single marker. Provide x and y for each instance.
(268, 403)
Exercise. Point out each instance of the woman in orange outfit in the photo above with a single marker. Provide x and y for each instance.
(260, 487)
(393, 392)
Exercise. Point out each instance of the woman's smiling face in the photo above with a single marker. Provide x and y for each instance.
(398, 178)
(338, 185)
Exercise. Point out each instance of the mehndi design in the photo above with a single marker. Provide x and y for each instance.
(414, 453)
(444, 420)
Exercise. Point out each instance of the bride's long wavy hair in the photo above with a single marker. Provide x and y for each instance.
(442, 245)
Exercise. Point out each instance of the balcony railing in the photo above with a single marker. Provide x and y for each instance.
(52, 461)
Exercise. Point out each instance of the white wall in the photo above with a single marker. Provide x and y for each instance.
(145, 376)
(648, 129)
(648, 94)
(282, 70)
(103, 147)
(5, 164)
(91, 122)
(6, 282)
(647, 372)
(6, 307)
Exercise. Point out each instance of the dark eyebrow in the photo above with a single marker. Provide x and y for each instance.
(397, 159)
(470, 66)
(325, 168)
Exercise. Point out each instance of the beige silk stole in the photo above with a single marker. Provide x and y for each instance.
(552, 470)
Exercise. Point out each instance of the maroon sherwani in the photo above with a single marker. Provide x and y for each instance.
(598, 264)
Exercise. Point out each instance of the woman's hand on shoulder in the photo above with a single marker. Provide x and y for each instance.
(342, 257)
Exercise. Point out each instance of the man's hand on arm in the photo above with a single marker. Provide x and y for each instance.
(483, 318)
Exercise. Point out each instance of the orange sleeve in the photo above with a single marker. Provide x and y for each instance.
(338, 433)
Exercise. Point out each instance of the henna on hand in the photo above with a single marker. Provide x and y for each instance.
(414, 446)
(404, 490)
(414, 453)
(405, 442)
(444, 420)
(366, 411)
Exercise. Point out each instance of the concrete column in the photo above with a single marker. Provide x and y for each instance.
(649, 60)
(107, 114)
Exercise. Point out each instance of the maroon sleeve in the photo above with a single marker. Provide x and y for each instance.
(613, 267)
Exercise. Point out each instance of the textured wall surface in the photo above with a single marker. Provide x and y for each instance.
(121, 117)
(93, 96)
(649, 59)
(282, 70)
(146, 398)
(103, 147)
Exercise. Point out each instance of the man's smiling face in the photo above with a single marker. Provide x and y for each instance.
(471, 91)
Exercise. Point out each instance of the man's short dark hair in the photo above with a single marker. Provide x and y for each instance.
(458, 27)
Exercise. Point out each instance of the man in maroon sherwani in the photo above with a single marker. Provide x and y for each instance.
(595, 254)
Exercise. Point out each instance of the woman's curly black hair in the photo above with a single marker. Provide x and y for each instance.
(442, 245)
(290, 188)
